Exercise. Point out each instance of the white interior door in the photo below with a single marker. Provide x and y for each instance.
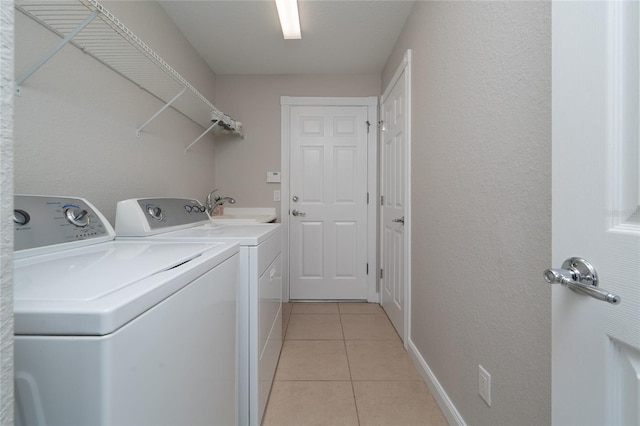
(394, 155)
(596, 197)
(328, 202)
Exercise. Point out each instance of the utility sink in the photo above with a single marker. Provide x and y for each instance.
(245, 216)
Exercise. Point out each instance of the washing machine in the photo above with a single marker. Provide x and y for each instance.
(119, 332)
(259, 291)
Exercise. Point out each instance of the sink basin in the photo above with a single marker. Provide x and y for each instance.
(243, 216)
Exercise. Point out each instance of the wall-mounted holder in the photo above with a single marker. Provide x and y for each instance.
(167, 105)
(97, 32)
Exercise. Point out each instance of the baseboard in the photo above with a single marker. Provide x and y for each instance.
(444, 402)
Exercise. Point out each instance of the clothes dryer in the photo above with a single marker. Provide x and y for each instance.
(119, 332)
(259, 291)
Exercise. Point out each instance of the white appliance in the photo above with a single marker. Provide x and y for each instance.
(259, 291)
(119, 332)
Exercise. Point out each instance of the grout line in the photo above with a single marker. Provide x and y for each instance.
(284, 332)
(353, 391)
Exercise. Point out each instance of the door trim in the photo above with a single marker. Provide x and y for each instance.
(405, 66)
(371, 102)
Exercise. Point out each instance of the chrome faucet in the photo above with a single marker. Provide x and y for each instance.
(215, 200)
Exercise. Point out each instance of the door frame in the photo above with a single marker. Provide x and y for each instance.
(371, 102)
(404, 67)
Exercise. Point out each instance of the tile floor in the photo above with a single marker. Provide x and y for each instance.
(344, 364)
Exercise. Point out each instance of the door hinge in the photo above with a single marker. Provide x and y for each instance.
(368, 125)
(382, 200)
(367, 268)
(381, 273)
(367, 198)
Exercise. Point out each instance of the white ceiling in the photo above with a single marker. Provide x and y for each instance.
(338, 36)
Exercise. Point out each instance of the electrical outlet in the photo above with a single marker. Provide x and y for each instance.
(276, 195)
(484, 379)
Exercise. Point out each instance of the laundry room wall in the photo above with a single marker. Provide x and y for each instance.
(6, 211)
(241, 165)
(481, 202)
(76, 120)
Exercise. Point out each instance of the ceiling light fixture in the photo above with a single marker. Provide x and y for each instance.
(289, 19)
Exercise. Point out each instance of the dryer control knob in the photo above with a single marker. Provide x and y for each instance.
(155, 212)
(20, 217)
(77, 217)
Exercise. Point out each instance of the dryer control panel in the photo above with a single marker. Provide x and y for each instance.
(49, 221)
(140, 217)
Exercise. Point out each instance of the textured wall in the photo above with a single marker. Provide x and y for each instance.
(481, 193)
(241, 165)
(6, 212)
(75, 123)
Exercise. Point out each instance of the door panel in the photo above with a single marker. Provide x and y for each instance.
(328, 175)
(394, 181)
(346, 249)
(311, 234)
(312, 174)
(345, 175)
(595, 164)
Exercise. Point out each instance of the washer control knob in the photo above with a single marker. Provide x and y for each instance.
(20, 217)
(155, 212)
(77, 217)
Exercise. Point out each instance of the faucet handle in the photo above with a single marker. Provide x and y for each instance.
(209, 199)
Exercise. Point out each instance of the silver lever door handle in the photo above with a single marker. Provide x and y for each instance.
(575, 271)
(400, 220)
(297, 213)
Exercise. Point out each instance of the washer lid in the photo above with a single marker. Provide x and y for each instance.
(96, 289)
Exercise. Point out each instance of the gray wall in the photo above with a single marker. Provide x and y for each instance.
(481, 193)
(241, 165)
(75, 123)
(6, 211)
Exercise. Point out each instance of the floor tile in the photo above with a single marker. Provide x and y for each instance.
(326, 345)
(314, 327)
(396, 403)
(360, 308)
(311, 403)
(380, 360)
(315, 308)
(313, 360)
(286, 314)
(367, 327)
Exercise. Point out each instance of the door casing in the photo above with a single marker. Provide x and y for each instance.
(371, 102)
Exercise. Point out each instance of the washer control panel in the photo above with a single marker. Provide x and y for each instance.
(46, 221)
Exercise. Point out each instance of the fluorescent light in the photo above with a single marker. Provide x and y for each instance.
(289, 18)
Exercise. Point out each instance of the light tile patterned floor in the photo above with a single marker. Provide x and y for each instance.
(344, 364)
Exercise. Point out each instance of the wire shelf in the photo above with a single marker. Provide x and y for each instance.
(110, 42)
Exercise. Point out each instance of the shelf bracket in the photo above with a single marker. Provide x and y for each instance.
(204, 133)
(55, 50)
(167, 105)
